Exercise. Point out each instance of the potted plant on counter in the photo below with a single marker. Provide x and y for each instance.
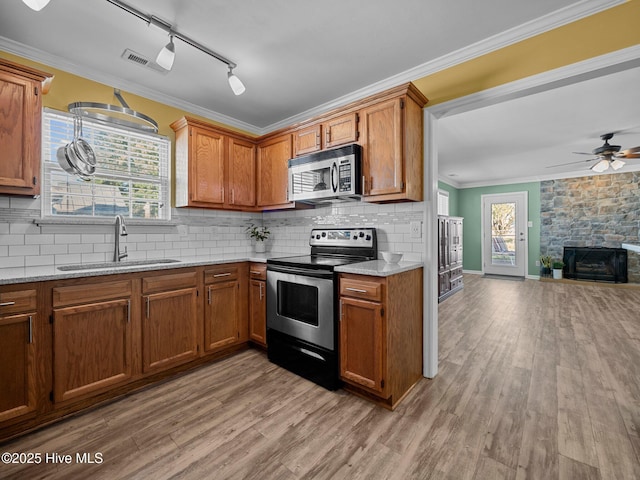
(260, 235)
(557, 269)
(545, 262)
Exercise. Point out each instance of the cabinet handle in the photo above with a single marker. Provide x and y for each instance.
(233, 196)
(364, 185)
(357, 290)
(7, 304)
(30, 329)
(221, 275)
(254, 272)
(147, 307)
(128, 311)
(209, 295)
(341, 315)
(327, 135)
(261, 287)
(222, 191)
(318, 139)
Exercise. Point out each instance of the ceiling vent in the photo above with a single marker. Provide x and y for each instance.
(134, 57)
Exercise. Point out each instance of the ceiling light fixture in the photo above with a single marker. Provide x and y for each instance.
(617, 164)
(167, 55)
(234, 82)
(601, 166)
(36, 5)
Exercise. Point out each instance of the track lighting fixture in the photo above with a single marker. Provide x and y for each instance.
(235, 83)
(167, 54)
(36, 5)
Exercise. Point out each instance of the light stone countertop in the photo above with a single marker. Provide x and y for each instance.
(378, 268)
(51, 272)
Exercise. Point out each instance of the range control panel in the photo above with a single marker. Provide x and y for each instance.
(342, 237)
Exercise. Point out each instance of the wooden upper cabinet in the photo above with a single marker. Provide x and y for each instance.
(21, 89)
(341, 130)
(329, 134)
(307, 140)
(241, 187)
(215, 168)
(273, 171)
(392, 146)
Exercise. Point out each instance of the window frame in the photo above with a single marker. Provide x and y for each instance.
(50, 165)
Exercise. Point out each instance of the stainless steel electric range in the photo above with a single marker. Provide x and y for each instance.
(302, 302)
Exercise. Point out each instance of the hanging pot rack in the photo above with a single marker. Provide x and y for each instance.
(122, 115)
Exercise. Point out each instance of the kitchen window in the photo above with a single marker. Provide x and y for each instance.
(131, 177)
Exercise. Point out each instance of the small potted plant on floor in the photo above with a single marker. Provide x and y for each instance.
(557, 269)
(260, 235)
(545, 262)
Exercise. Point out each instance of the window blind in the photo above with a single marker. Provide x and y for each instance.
(131, 178)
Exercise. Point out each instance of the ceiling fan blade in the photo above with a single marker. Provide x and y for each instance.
(573, 163)
(629, 153)
(582, 153)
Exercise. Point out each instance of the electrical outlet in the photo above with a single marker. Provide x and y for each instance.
(537, 263)
(416, 229)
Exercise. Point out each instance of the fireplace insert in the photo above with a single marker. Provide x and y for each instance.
(599, 264)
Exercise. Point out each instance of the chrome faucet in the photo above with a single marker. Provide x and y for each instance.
(121, 231)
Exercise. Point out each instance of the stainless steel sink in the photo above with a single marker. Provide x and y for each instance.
(131, 263)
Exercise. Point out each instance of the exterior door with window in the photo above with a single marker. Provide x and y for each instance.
(504, 234)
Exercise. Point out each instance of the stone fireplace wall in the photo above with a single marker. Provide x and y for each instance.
(597, 211)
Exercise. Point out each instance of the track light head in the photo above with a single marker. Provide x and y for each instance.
(235, 83)
(167, 55)
(36, 5)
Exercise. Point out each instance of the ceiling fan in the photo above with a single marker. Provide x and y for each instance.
(607, 155)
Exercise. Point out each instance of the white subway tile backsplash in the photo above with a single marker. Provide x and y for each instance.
(53, 249)
(11, 239)
(67, 238)
(68, 259)
(39, 239)
(24, 228)
(92, 238)
(39, 260)
(12, 261)
(24, 250)
(4, 250)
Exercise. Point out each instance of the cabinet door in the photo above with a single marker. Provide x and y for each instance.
(242, 173)
(257, 312)
(382, 148)
(273, 166)
(17, 366)
(91, 348)
(169, 329)
(341, 130)
(20, 127)
(307, 140)
(362, 345)
(222, 315)
(206, 175)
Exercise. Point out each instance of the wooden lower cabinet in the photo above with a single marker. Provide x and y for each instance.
(17, 365)
(226, 306)
(92, 342)
(169, 320)
(381, 334)
(258, 303)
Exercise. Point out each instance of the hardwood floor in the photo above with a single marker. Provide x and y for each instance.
(538, 380)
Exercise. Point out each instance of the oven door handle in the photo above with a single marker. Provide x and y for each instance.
(300, 271)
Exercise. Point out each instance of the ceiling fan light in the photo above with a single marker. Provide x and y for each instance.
(36, 5)
(601, 166)
(235, 83)
(617, 164)
(167, 55)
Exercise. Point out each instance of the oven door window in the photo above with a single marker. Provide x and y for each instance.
(298, 301)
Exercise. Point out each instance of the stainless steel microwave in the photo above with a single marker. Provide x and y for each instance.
(327, 176)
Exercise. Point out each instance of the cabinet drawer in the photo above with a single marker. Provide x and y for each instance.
(258, 271)
(17, 302)
(222, 273)
(175, 281)
(77, 294)
(351, 287)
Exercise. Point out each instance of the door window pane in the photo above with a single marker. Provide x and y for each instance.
(503, 233)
